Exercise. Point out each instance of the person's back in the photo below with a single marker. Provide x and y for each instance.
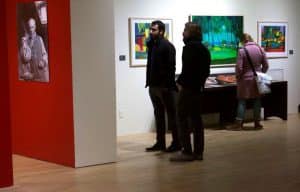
(246, 83)
(257, 57)
(196, 65)
(195, 69)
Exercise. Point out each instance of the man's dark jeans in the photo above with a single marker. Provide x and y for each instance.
(163, 100)
(190, 120)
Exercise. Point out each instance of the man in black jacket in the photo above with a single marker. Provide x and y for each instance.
(161, 81)
(196, 61)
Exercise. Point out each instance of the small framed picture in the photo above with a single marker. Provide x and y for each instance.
(273, 37)
(139, 29)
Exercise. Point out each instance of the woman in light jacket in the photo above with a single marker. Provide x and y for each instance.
(246, 84)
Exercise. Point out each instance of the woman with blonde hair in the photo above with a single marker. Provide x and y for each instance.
(250, 56)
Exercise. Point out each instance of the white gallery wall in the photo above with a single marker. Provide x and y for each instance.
(134, 109)
(92, 30)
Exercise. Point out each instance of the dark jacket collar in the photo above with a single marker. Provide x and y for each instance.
(153, 42)
(192, 42)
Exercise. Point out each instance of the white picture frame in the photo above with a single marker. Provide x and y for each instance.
(139, 34)
(273, 37)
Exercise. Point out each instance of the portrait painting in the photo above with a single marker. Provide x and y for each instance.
(32, 34)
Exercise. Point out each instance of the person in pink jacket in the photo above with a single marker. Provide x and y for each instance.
(246, 84)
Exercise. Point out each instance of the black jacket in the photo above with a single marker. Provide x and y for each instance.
(161, 64)
(195, 66)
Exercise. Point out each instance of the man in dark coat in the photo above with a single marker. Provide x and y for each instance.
(162, 87)
(196, 61)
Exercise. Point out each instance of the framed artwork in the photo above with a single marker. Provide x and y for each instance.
(32, 29)
(272, 36)
(139, 34)
(221, 35)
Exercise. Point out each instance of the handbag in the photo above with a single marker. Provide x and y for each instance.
(263, 81)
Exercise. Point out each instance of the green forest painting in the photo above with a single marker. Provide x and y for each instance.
(221, 34)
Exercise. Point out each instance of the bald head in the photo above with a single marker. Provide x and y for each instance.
(31, 25)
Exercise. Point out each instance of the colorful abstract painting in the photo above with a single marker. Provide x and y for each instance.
(139, 35)
(221, 34)
(272, 36)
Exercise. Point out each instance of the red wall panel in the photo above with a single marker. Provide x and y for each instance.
(42, 113)
(6, 173)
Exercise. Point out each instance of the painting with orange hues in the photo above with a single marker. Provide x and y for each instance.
(272, 36)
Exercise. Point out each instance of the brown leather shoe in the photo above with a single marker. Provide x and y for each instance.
(182, 157)
(156, 147)
(237, 126)
(173, 148)
(257, 125)
(198, 157)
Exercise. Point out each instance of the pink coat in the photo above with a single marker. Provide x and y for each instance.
(246, 85)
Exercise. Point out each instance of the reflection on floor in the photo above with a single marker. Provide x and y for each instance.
(234, 161)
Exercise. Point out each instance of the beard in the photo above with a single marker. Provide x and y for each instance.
(153, 37)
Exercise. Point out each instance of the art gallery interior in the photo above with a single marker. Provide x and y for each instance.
(87, 128)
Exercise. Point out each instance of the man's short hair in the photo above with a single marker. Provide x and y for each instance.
(160, 24)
